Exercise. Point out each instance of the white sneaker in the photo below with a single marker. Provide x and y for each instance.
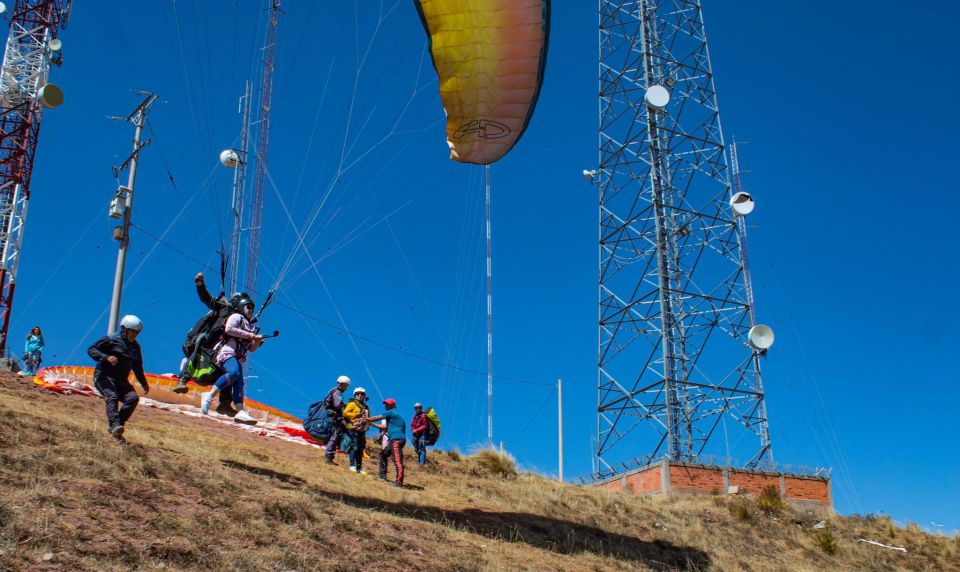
(245, 418)
(353, 469)
(205, 400)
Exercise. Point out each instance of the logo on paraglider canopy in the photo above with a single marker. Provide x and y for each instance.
(483, 129)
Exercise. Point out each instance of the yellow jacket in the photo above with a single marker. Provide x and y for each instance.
(352, 413)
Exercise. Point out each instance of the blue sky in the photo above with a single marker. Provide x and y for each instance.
(848, 111)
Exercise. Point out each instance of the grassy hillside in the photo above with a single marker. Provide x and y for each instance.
(191, 494)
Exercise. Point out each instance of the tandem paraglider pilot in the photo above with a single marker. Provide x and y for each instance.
(116, 356)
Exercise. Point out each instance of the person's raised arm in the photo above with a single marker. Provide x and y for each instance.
(202, 292)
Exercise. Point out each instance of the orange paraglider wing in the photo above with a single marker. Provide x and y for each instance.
(490, 57)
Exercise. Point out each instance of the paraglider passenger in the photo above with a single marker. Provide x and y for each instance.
(418, 428)
(239, 337)
(335, 405)
(116, 355)
(354, 417)
(204, 336)
(396, 427)
(32, 350)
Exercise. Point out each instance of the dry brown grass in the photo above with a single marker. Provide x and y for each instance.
(190, 494)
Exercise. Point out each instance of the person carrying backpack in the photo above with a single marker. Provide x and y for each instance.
(334, 405)
(116, 355)
(32, 351)
(203, 337)
(239, 337)
(396, 428)
(355, 416)
(418, 428)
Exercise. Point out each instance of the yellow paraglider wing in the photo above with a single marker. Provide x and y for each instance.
(490, 57)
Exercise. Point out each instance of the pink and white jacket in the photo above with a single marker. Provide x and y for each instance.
(238, 338)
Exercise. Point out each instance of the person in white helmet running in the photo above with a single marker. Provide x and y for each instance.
(354, 418)
(116, 356)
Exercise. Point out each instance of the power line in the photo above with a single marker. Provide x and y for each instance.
(345, 331)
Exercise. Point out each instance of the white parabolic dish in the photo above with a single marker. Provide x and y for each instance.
(761, 336)
(55, 45)
(229, 158)
(657, 97)
(742, 203)
(50, 96)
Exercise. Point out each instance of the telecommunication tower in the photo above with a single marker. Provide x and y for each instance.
(679, 352)
(263, 146)
(32, 46)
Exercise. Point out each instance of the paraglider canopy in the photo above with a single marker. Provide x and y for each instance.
(490, 58)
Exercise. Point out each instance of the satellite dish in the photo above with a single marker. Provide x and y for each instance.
(657, 97)
(3, 7)
(229, 158)
(55, 45)
(589, 175)
(742, 203)
(761, 336)
(50, 96)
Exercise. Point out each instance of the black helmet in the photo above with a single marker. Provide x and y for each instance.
(243, 302)
(236, 297)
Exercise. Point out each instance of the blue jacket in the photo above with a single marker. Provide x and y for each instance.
(127, 354)
(34, 344)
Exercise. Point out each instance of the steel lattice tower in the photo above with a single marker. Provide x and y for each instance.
(26, 67)
(677, 378)
(263, 146)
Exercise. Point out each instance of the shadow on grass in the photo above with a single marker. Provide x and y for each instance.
(263, 472)
(541, 532)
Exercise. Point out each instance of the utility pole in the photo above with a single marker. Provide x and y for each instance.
(239, 190)
(489, 315)
(122, 233)
(560, 425)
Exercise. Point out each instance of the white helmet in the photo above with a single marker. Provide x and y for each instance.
(343, 379)
(131, 322)
(359, 390)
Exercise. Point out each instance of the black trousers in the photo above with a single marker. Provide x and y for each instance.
(114, 391)
(393, 449)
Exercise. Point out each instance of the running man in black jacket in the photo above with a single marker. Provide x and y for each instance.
(116, 355)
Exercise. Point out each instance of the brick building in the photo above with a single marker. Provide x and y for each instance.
(667, 477)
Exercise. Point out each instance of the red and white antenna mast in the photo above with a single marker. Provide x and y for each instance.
(24, 92)
(263, 146)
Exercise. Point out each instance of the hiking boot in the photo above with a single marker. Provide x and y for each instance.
(205, 400)
(181, 386)
(244, 417)
(117, 431)
(225, 409)
(398, 485)
(330, 462)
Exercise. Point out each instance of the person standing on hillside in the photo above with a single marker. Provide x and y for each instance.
(354, 419)
(335, 406)
(418, 428)
(32, 351)
(396, 427)
(116, 356)
(239, 337)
